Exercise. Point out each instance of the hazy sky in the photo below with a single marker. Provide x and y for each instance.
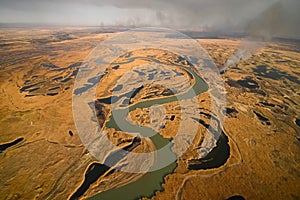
(279, 17)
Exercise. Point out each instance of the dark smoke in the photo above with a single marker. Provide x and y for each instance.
(257, 17)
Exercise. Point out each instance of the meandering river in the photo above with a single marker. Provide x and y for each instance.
(151, 181)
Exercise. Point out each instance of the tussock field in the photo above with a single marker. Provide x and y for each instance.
(41, 154)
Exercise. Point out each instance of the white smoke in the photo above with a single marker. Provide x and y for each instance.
(244, 52)
(260, 31)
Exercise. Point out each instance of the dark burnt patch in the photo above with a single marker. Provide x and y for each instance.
(267, 104)
(52, 94)
(90, 84)
(117, 88)
(51, 66)
(246, 84)
(236, 197)
(274, 73)
(71, 133)
(54, 88)
(4, 146)
(231, 112)
(60, 79)
(172, 117)
(297, 122)
(264, 120)
(116, 67)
